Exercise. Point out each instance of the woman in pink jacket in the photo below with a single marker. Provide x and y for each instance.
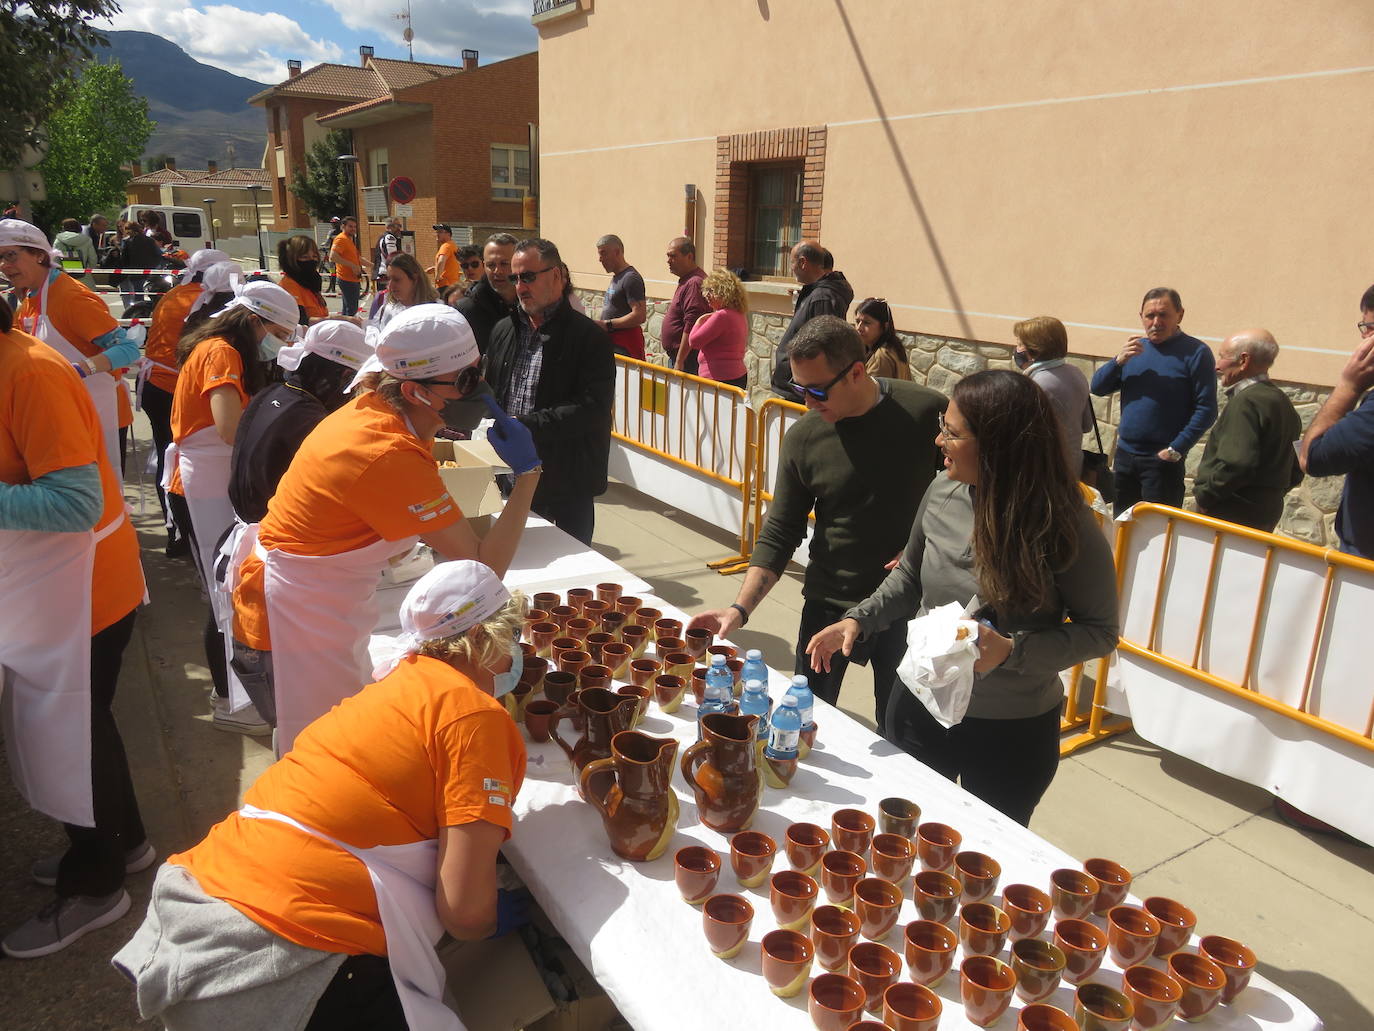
(722, 334)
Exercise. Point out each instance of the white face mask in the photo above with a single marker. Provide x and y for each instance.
(276, 339)
(504, 683)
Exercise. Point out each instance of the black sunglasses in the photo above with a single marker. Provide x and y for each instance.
(466, 382)
(472, 264)
(528, 277)
(819, 393)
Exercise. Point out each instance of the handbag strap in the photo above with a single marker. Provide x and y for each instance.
(1096, 431)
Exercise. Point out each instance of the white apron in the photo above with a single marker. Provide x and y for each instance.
(45, 666)
(320, 613)
(100, 385)
(229, 558)
(403, 876)
(204, 461)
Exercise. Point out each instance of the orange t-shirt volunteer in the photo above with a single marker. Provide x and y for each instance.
(308, 300)
(344, 247)
(452, 268)
(169, 318)
(214, 363)
(76, 312)
(392, 765)
(48, 422)
(360, 476)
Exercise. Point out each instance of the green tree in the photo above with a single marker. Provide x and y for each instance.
(99, 126)
(41, 42)
(323, 186)
(155, 161)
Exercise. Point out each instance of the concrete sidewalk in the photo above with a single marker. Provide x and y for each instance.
(1303, 902)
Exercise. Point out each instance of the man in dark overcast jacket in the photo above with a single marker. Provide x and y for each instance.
(493, 298)
(824, 292)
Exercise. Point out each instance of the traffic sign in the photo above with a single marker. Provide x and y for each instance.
(402, 189)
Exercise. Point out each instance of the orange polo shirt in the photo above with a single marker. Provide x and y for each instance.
(214, 363)
(391, 765)
(452, 269)
(345, 248)
(361, 476)
(309, 300)
(76, 312)
(169, 318)
(48, 422)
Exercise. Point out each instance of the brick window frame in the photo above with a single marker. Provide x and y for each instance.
(734, 155)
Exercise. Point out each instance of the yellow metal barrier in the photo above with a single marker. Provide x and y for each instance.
(693, 435)
(772, 422)
(1247, 689)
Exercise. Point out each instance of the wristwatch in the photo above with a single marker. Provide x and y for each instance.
(1173, 454)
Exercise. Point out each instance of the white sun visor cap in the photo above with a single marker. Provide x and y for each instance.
(334, 339)
(422, 342)
(15, 232)
(202, 260)
(267, 301)
(450, 599)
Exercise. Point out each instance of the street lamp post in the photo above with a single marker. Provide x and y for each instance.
(209, 202)
(253, 190)
(350, 161)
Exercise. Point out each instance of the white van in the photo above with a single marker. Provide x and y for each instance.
(188, 225)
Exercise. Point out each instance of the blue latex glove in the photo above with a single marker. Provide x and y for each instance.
(511, 912)
(511, 439)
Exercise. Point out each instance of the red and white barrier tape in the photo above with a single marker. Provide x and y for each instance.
(152, 271)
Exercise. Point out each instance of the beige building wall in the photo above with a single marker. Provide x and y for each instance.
(989, 162)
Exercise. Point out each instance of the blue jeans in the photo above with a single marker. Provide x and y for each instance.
(1146, 478)
(351, 292)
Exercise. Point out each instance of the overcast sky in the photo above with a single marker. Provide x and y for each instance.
(252, 38)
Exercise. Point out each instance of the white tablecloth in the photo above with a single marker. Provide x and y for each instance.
(645, 945)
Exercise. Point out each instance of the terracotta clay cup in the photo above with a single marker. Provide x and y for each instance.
(835, 1002)
(558, 685)
(698, 639)
(534, 671)
(668, 691)
(528, 650)
(533, 616)
(594, 609)
(562, 645)
(627, 604)
(936, 895)
(806, 844)
(736, 668)
(679, 664)
(594, 644)
(852, 830)
(898, 816)
(1040, 1017)
(1113, 881)
(699, 683)
(573, 661)
(696, 869)
(616, 656)
(667, 627)
(1083, 945)
(647, 617)
(608, 592)
(728, 650)
(560, 614)
(1132, 935)
(665, 645)
(592, 675)
(878, 903)
(978, 876)
(726, 920)
(841, 871)
(793, 897)
(892, 856)
(1176, 923)
(911, 1007)
(1202, 982)
(834, 931)
(929, 951)
(516, 700)
(538, 713)
(1039, 968)
(613, 623)
(1029, 909)
(983, 929)
(580, 627)
(868, 1025)
(876, 968)
(1099, 1007)
(937, 844)
(643, 671)
(641, 696)
(636, 637)
(546, 600)
(985, 988)
(751, 857)
(1154, 994)
(786, 960)
(579, 596)
(1072, 893)
(1235, 959)
(542, 635)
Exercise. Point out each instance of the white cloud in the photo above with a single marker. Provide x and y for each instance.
(243, 42)
(443, 28)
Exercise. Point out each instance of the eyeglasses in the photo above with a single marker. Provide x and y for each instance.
(1364, 327)
(947, 433)
(466, 382)
(472, 264)
(10, 257)
(528, 277)
(819, 393)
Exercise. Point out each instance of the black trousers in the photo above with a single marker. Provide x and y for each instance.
(1009, 764)
(157, 406)
(884, 651)
(361, 997)
(1146, 478)
(351, 292)
(94, 861)
(214, 640)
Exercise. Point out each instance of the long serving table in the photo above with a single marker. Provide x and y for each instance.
(645, 946)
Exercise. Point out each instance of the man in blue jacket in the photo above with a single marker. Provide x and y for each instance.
(1168, 385)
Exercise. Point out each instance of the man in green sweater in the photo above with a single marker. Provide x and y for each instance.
(862, 457)
(1250, 462)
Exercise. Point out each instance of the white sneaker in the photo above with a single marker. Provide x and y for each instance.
(245, 721)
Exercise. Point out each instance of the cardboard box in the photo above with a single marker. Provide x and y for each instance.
(494, 985)
(471, 479)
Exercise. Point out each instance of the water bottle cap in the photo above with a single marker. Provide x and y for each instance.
(717, 660)
(789, 699)
(800, 681)
(754, 655)
(753, 685)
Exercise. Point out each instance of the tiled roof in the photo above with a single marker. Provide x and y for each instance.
(167, 175)
(354, 108)
(399, 75)
(339, 81)
(202, 176)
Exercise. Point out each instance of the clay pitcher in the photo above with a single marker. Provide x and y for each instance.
(631, 790)
(722, 769)
(604, 714)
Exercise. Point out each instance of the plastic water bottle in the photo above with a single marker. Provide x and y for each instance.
(755, 702)
(720, 690)
(754, 669)
(784, 731)
(806, 701)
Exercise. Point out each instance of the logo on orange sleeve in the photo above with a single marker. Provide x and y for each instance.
(427, 510)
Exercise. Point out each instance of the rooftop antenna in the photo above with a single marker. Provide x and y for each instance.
(409, 34)
(229, 152)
